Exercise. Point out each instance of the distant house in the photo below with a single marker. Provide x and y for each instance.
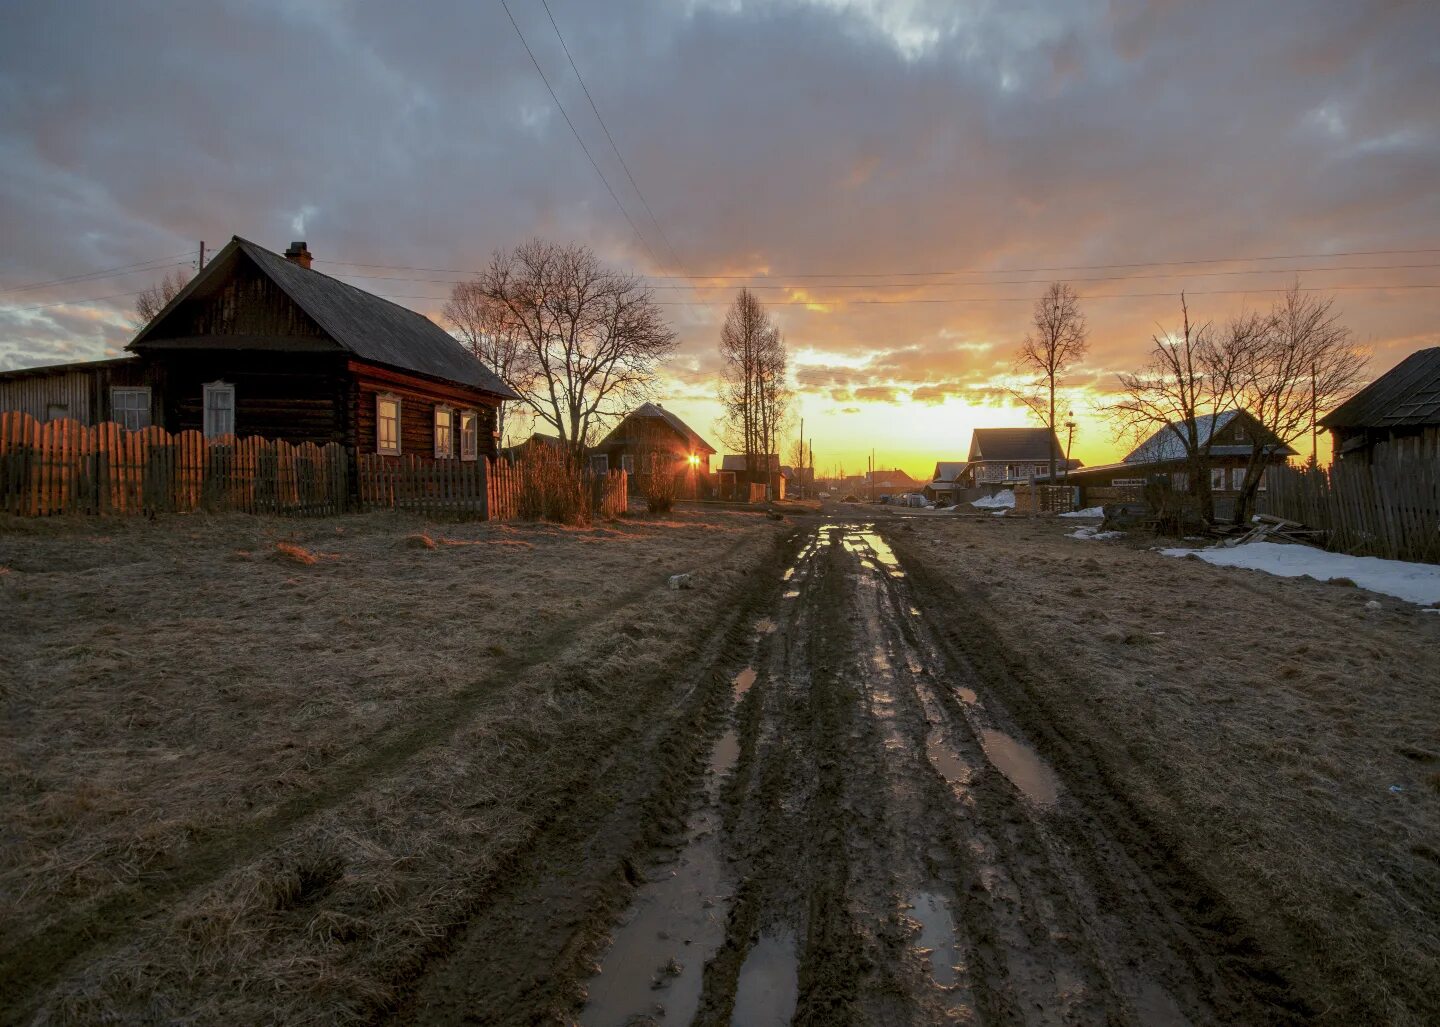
(650, 433)
(892, 482)
(735, 475)
(1403, 403)
(538, 441)
(1008, 456)
(945, 480)
(1230, 436)
(260, 344)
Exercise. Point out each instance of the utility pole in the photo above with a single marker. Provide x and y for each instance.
(1314, 423)
(802, 458)
(201, 265)
(872, 476)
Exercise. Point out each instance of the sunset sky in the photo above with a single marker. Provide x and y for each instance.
(900, 179)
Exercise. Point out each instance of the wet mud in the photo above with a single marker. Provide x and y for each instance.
(872, 839)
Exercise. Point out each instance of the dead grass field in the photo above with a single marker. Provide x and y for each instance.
(1280, 736)
(251, 768)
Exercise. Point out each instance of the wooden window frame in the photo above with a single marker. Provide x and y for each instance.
(627, 463)
(469, 437)
(116, 391)
(599, 463)
(207, 390)
(380, 447)
(1220, 474)
(449, 413)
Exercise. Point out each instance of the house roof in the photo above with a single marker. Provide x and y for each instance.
(370, 327)
(656, 410)
(1407, 394)
(949, 470)
(1012, 444)
(736, 462)
(49, 369)
(1166, 443)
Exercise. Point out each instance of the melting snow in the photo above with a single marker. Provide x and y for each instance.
(1094, 533)
(1412, 582)
(1005, 499)
(1092, 511)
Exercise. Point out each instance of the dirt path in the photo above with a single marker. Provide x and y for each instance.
(869, 839)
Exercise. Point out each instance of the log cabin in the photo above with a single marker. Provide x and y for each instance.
(262, 344)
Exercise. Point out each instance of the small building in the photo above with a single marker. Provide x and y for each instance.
(1231, 438)
(1403, 403)
(261, 344)
(538, 442)
(891, 482)
(945, 481)
(734, 478)
(648, 434)
(1008, 456)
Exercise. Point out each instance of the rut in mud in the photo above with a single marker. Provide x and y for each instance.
(873, 841)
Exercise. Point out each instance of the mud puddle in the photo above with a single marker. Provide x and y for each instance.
(938, 939)
(742, 683)
(1024, 767)
(769, 983)
(952, 768)
(765, 626)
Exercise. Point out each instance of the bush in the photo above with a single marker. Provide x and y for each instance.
(660, 488)
(552, 487)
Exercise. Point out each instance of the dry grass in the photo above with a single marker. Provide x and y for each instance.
(1284, 735)
(169, 698)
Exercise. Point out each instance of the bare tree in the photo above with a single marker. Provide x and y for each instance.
(754, 392)
(488, 331)
(588, 339)
(1056, 344)
(156, 298)
(1187, 383)
(1289, 364)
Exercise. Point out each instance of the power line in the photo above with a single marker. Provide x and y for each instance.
(73, 303)
(109, 272)
(635, 185)
(578, 139)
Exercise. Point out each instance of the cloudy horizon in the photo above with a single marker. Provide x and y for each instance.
(899, 181)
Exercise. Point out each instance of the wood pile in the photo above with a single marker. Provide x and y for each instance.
(1265, 528)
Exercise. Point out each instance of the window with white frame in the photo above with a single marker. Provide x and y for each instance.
(219, 414)
(469, 438)
(600, 463)
(387, 424)
(444, 433)
(130, 408)
(627, 463)
(1179, 480)
(1263, 475)
(1217, 479)
(1237, 478)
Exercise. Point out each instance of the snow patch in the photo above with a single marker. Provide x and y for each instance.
(999, 500)
(1413, 582)
(1092, 511)
(1094, 533)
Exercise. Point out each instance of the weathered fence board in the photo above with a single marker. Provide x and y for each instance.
(1388, 507)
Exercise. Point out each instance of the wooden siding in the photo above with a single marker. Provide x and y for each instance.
(293, 397)
(245, 302)
(83, 391)
(418, 399)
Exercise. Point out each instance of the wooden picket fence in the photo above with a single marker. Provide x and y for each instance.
(60, 467)
(65, 467)
(1389, 507)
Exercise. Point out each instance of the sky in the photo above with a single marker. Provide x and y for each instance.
(899, 180)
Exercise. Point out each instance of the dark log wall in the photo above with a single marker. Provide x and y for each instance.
(418, 399)
(297, 397)
(245, 303)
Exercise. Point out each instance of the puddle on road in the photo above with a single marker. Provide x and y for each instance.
(1022, 765)
(725, 753)
(793, 593)
(769, 984)
(764, 626)
(742, 682)
(937, 936)
(657, 958)
(1153, 1005)
(952, 768)
(967, 695)
(914, 611)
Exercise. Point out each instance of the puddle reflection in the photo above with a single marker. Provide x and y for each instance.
(937, 936)
(1022, 765)
(769, 983)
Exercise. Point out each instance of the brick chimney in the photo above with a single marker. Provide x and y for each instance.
(299, 253)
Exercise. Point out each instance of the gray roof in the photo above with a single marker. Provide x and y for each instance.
(370, 327)
(1012, 444)
(949, 470)
(656, 410)
(1166, 444)
(1407, 394)
(736, 462)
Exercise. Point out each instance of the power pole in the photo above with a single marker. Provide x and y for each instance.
(201, 265)
(802, 458)
(1314, 423)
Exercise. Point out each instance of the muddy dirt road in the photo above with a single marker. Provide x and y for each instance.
(860, 835)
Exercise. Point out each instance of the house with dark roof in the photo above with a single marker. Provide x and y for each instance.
(649, 438)
(1008, 456)
(262, 344)
(735, 477)
(943, 483)
(1403, 403)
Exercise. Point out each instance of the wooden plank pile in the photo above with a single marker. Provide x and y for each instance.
(1266, 528)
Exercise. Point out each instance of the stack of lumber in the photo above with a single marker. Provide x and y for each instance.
(1265, 528)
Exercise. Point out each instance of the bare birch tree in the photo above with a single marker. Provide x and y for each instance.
(588, 339)
(157, 297)
(1058, 342)
(1188, 381)
(754, 393)
(1290, 364)
(488, 331)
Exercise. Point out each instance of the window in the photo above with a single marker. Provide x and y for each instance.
(1240, 434)
(130, 408)
(444, 433)
(468, 437)
(600, 463)
(1217, 479)
(1263, 486)
(57, 411)
(1179, 480)
(387, 424)
(1009, 470)
(627, 463)
(1126, 481)
(1237, 477)
(219, 414)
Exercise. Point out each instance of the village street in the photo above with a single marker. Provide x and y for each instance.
(873, 838)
